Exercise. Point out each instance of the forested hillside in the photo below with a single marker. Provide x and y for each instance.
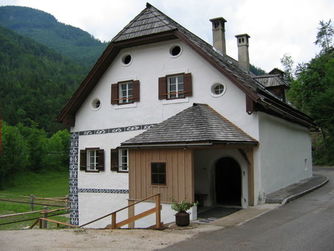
(35, 82)
(42, 27)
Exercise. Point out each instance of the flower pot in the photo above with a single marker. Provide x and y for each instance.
(182, 219)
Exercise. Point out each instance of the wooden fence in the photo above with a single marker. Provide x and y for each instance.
(49, 205)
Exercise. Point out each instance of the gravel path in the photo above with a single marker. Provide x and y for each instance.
(83, 239)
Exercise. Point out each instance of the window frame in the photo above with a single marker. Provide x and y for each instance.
(178, 94)
(120, 160)
(127, 99)
(159, 174)
(88, 160)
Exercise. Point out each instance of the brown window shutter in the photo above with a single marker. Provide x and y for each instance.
(136, 91)
(188, 87)
(83, 160)
(162, 88)
(114, 94)
(100, 159)
(114, 159)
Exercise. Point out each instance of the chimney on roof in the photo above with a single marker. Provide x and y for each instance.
(218, 34)
(243, 55)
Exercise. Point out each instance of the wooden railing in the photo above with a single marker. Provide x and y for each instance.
(114, 224)
(43, 223)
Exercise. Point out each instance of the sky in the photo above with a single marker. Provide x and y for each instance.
(275, 27)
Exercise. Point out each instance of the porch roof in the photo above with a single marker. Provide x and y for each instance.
(194, 125)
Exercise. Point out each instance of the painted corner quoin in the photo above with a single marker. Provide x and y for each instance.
(73, 192)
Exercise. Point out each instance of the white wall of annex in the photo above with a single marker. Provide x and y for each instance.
(149, 62)
(285, 153)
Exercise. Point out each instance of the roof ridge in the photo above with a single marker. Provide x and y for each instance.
(128, 25)
(159, 16)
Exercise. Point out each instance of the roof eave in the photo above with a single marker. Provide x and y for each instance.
(100, 67)
(186, 144)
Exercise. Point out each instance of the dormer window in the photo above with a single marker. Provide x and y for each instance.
(175, 86)
(125, 92)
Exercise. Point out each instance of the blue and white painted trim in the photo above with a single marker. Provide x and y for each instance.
(103, 190)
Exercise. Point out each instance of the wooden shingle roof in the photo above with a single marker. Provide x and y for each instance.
(196, 124)
(148, 22)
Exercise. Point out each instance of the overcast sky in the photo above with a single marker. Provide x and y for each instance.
(276, 27)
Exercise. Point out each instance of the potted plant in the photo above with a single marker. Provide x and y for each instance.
(182, 217)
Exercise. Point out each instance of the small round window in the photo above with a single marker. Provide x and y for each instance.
(218, 89)
(96, 104)
(175, 50)
(126, 59)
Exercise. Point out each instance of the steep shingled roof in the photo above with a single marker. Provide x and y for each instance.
(148, 22)
(151, 25)
(198, 123)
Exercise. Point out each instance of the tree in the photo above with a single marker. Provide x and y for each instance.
(287, 63)
(56, 151)
(325, 35)
(15, 153)
(313, 93)
(35, 139)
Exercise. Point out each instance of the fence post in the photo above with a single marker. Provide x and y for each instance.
(113, 220)
(32, 199)
(158, 212)
(44, 215)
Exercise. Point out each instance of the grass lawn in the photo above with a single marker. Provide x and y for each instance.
(46, 184)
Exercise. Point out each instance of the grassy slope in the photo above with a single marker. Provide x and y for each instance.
(47, 184)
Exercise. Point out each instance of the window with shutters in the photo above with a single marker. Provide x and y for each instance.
(92, 160)
(119, 160)
(175, 86)
(158, 173)
(125, 92)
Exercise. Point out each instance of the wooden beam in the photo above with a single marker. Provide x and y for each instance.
(136, 217)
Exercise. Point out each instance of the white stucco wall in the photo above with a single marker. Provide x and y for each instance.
(285, 155)
(95, 205)
(149, 62)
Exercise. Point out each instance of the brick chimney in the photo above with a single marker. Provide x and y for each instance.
(218, 34)
(243, 55)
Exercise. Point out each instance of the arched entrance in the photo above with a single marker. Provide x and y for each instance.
(228, 182)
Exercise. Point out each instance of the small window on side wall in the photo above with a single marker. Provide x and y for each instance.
(92, 160)
(158, 173)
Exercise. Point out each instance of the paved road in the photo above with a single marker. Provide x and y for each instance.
(305, 224)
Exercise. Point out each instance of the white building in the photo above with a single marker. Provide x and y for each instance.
(163, 111)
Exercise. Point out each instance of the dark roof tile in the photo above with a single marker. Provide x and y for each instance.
(198, 123)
